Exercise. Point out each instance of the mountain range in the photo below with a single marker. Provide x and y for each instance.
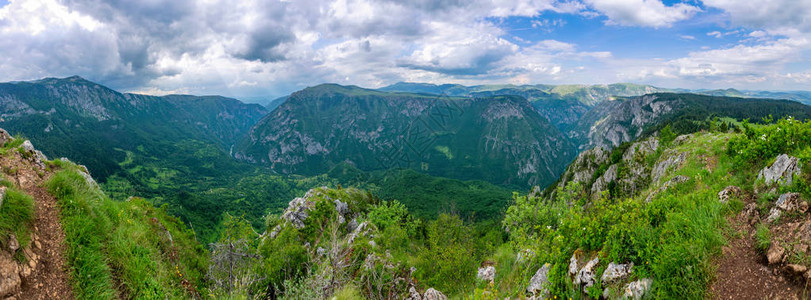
(344, 192)
(207, 155)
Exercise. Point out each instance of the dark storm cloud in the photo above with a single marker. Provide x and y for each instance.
(263, 44)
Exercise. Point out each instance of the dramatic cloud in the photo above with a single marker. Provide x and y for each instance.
(273, 47)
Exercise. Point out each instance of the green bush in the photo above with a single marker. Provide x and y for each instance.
(389, 213)
(449, 263)
(763, 142)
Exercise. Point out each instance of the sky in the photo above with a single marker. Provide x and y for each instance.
(269, 48)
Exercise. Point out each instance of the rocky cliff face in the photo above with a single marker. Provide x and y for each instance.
(499, 139)
(614, 122)
(611, 123)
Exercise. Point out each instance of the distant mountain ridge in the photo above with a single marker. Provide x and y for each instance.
(589, 94)
(499, 139)
(59, 112)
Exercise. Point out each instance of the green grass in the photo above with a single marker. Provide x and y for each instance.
(763, 238)
(16, 217)
(671, 239)
(120, 249)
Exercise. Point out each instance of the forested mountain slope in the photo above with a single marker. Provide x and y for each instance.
(502, 140)
(57, 113)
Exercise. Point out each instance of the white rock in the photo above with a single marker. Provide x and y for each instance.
(586, 275)
(487, 273)
(673, 160)
(637, 289)
(432, 294)
(413, 294)
(615, 272)
(537, 285)
(782, 171)
(786, 203)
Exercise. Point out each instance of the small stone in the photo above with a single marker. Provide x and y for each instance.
(32, 264)
(729, 193)
(487, 273)
(796, 269)
(775, 254)
(13, 244)
(37, 244)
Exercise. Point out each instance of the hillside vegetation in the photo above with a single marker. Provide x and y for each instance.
(112, 249)
(649, 220)
(501, 139)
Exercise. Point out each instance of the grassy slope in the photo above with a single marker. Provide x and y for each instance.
(124, 249)
(671, 239)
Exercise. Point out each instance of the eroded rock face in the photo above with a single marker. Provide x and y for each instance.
(35, 155)
(641, 149)
(682, 139)
(487, 273)
(4, 137)
(668, 184)
(586, 275)
(537, 285)
(782, 171)
(786, 203)
(297, 211)
(432, 294)
(622, 121)
(584, 166)
(729, 193)
(615, 272)
(637, 289)
(601, 184)
(573, 264)
(672, 161)
(10, 280)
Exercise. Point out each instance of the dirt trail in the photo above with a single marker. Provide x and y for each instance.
(50, 280)
(743, 272)
(49, 277)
